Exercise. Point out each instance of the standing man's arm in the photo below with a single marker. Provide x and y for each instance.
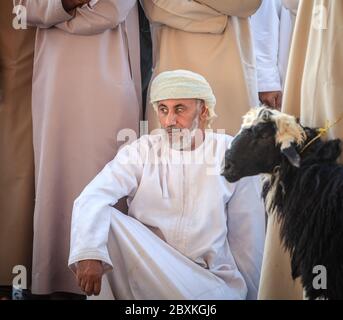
(246, 231)
(84, 17)
(265, 25)
(91, 217)
(97, 18)
(47, 13)
(238, 8)
(189, 16)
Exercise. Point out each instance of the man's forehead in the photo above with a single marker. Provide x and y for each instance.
(176, 102)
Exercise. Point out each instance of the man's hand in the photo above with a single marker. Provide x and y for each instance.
(272, 99)
(88, 275)
(70, 5)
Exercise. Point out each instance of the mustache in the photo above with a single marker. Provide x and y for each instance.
(173, 129)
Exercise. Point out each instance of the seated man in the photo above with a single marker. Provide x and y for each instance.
(189, 234)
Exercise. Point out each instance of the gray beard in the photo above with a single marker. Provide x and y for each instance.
(182, 139)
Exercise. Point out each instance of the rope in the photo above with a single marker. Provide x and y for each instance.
(322, 132)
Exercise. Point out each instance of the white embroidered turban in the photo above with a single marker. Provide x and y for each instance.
(182, 84)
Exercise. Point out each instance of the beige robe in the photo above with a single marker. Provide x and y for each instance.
(16, 152)
(211, 38)
(314, 93)
(84, 91)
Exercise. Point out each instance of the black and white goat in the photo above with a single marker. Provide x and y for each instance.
(303, 187)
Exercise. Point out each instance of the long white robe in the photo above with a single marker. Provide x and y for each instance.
(189, 235)
(272, 28)
(85, 90)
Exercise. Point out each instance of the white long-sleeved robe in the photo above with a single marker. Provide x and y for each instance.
(190, 234)
(272, 28)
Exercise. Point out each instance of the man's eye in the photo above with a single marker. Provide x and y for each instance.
(179, 110)
(163, 110)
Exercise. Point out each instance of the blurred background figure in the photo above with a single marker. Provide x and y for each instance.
(145, 53)
(86, 88)
(212, 38)
(313, 92)
(16, 152)
(272, 27)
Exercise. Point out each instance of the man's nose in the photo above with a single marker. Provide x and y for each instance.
(170, 119)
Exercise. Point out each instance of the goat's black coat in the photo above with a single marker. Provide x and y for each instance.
(309, 206)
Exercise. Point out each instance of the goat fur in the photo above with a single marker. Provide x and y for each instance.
(308, 203)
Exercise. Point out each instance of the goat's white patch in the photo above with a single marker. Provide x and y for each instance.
(266, 178)
(288, 130)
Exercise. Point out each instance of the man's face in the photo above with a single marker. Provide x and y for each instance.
(181, 117)
(181, 113)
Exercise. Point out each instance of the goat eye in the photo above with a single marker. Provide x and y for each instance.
(256, 131)
(260, 133)
(264, 135)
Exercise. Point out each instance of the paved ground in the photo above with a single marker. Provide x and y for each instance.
(7, 293)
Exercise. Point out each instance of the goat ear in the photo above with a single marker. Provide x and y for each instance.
(292, 156)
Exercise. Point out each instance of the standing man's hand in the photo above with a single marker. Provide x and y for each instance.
(272, 99)
(88, 275)
(70, 5)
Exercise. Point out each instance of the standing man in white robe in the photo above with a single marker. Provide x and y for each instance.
(86, 88)
(189, 234)
(272, 28)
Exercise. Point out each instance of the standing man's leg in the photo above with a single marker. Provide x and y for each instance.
(16, 152)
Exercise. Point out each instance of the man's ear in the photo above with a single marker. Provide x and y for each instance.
(292, 155)
(204, 112)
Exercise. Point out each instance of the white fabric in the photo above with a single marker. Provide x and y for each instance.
(202, 238)
(91, 4)
(272, 29)
(182, 84)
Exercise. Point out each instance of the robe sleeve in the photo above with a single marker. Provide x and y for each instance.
(265, 25)
(92, 210)
(104, 15)
(238, 8)
(189, 16)
(246, 231)
(44, 13)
